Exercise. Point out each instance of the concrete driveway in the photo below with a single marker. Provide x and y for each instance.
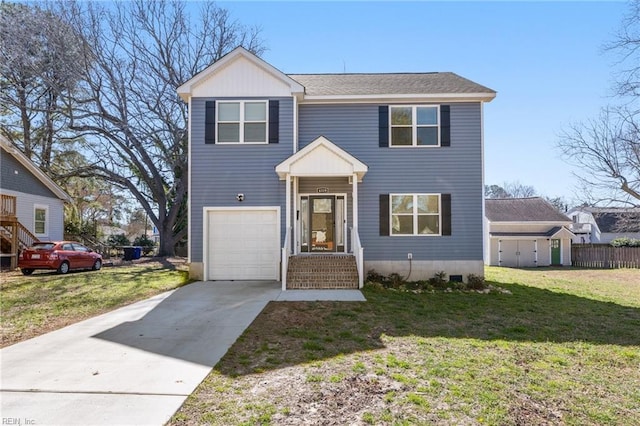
(137, 364)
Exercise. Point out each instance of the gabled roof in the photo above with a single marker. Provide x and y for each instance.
(186, 89)
(235, 80)
(431, 83)
(322, 158)
(35, 170)
(532, 209)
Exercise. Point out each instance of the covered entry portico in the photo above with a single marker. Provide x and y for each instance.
(317, 216)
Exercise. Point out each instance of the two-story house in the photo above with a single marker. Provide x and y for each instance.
(300, 178)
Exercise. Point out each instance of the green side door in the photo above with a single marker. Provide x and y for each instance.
(555, 252)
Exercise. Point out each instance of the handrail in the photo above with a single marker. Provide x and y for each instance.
(25, 237)
(286, 252)
(7, 205)
(358, 250)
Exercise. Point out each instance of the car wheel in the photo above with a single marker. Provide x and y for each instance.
(63, 268)
(97, 265)
(26, 271)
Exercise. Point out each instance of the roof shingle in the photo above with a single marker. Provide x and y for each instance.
(534, 209)
(386, 84)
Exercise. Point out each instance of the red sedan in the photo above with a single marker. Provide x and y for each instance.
(61, 256)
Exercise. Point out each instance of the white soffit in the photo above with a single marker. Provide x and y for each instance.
(321, 158)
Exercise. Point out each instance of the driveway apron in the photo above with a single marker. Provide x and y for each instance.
(133, 366)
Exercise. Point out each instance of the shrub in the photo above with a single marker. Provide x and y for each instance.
(115, 241)
(625, 242)
(147, 244)
(476, 282)
(439, 280)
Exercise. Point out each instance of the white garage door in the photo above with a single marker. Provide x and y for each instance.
(243, 244)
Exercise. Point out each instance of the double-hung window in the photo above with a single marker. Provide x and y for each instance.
(415, 214)
(40, 214)
(242, 122)
(416, 125)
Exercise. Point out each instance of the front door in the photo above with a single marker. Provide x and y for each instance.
(555, 252)
(322, 223)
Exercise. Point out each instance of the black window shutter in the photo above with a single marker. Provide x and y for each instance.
(445, 201)
(384, 215)
(274, 121)
(210, 122)
(383, 126)
(445, 125)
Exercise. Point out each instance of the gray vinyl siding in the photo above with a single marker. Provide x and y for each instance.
(16, 177)
(25, 204)
(456, 170)
(220, 172)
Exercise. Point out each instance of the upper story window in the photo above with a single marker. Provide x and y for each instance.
(415, 125)
(242, 122)
(415, 214)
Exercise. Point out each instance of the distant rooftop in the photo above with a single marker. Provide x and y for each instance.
(384, 84)
(532, 209)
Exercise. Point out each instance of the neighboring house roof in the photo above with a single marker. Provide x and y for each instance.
(614, 219)
(35, 170)
(532, 209)
(392, 83)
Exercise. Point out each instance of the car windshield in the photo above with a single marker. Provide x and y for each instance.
(42, 246)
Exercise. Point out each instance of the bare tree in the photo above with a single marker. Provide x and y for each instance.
(39, 54)
(607, 152)
(130, 115)
(509, 190)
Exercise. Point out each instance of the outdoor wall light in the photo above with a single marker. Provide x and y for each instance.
(240, 197)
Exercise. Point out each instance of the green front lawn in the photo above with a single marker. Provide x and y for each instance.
(562, 348)
(45, 301)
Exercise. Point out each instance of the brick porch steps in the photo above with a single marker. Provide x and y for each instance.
(322, 272)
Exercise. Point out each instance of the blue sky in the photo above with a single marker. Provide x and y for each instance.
(545, 60)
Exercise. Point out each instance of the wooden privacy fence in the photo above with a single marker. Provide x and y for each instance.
(604, 256)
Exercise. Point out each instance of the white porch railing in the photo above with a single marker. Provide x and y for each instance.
(286, 252)
(357, 250)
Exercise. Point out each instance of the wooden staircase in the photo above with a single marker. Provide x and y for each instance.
(322, 272)
(14, 236)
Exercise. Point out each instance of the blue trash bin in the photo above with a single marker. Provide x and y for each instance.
(129, 253)
(137, 252)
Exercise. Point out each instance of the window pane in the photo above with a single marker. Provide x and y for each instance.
(402, 204)
(41, 215)
(229, 111)
(228, 132)
(255, 111)
(255, 132)
(427, 136)
(428, 204)
(39, 227)
(429, 224)
(427, 115)
(401, 224)
(401, 136)
(401, 116)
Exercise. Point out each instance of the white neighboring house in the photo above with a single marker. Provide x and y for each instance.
(601, 225)
(32, 205)
(526, 232)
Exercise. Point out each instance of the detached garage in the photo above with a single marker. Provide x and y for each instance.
(241, 243)
(525, 233)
